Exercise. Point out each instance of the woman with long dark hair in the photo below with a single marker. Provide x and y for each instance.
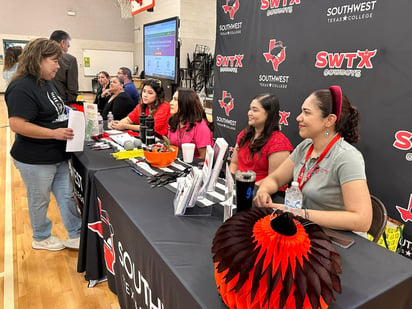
(329, 170)
(261, 147)
(152, 104)
(188, 123)
(11, 61)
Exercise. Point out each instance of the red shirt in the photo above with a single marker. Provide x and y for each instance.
(259, 163)
(160, 117)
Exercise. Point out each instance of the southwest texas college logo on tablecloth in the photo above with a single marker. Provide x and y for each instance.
(98, 227)
(134, 284)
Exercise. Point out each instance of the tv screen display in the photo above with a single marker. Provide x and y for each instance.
(160, 49)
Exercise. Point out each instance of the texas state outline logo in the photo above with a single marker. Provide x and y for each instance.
(227, 102)
(276, 53)
(284, 118)
(231, 7)
(108, 244)
(406, 213)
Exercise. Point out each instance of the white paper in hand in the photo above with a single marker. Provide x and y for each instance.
(76, 122)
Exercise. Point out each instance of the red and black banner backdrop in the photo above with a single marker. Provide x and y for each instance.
(293, 47)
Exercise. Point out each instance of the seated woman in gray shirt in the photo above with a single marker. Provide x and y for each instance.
(329, 170)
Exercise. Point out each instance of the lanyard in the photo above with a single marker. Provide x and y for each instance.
(316, 166)
(180, 135)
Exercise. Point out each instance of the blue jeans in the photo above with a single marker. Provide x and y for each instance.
(40, 181)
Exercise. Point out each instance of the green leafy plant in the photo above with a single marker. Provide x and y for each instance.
(167, 143)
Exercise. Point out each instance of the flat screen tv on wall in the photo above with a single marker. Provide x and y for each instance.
(161, 50)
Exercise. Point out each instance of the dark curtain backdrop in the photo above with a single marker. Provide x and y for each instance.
(293, 47)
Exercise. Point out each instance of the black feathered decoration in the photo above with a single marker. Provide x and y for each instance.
(267, 259)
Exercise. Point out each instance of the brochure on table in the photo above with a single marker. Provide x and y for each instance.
(206, 170)
(90, 118)
(228, 206)
(186, 195)
(220, 150)
(193, 187)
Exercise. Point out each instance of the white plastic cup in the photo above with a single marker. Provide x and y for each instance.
(188, 150)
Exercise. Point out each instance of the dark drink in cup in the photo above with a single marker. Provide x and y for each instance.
(245, 184)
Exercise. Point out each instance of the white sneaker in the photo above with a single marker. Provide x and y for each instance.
(72, 243)
(52, 244)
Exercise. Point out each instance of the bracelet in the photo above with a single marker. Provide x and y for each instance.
(306, 213)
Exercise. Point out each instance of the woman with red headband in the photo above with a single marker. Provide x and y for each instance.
(329, 170)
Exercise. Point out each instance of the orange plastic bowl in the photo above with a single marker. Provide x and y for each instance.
(161, 159)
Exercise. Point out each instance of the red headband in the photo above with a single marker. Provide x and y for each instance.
(337, 100)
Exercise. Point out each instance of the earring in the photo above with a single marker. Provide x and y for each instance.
(326, 133)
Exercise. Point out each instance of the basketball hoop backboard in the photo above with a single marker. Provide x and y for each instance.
(141, 5)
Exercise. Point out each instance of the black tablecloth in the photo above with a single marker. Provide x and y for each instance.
(85, 164)
(164, 260)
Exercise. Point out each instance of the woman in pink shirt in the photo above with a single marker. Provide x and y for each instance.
(188, 123)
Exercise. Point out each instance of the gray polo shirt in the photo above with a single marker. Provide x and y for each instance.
(323, 190)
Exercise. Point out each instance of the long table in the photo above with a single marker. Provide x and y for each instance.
(159, 260)
(85, 164)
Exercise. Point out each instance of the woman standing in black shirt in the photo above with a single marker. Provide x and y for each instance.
(37, 115)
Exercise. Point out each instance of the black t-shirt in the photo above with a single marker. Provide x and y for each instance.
(99, 100)
(39, 103)
(120, 106)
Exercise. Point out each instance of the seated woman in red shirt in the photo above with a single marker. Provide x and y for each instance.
(152, 104)
(188, 123)
(261, 147)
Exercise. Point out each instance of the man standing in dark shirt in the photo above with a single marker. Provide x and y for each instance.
(66, 79)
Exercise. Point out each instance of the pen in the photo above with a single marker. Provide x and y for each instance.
(100, 148)
(137, 171)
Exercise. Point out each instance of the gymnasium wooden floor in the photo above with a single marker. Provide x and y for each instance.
(36, 278)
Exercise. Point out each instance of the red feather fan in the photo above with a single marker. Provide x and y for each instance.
(274, 260)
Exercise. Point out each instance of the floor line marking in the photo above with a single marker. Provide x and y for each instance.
(8, 234)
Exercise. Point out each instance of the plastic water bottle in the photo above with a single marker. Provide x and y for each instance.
(100, 123)
(109, 117)
(293, 196)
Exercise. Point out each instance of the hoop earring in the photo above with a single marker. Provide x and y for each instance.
(326, 133)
